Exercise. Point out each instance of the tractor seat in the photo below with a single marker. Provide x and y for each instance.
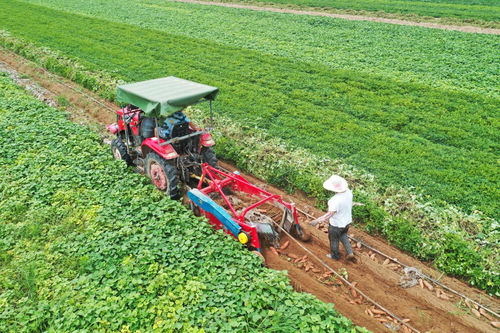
(147, 127)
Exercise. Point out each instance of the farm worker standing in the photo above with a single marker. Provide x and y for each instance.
(339, 216)
(175, 118)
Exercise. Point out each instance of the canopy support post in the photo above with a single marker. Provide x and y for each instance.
(157, 135)
(211, 116)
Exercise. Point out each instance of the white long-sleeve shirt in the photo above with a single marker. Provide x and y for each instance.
(341, 205)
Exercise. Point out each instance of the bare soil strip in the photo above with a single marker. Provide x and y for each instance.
(464, 28)
(427, 310)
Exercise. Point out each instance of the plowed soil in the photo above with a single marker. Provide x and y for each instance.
(376, 278)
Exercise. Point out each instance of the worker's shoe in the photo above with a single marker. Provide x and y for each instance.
(332, 257)
(351, 258)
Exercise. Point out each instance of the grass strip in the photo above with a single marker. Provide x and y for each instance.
(484, 13)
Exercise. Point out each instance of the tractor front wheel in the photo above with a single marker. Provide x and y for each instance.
(119, 150)
(209, 157)
(162, 174)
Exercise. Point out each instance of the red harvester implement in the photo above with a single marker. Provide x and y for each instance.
(232, 203)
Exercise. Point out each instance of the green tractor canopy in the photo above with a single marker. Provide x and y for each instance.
(161, 97)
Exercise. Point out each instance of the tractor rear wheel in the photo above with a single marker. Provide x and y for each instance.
(208, 156)
(119, 150)
(162, 174)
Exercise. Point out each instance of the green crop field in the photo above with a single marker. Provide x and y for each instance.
(480, 11)
(417, 108)
(87, 245)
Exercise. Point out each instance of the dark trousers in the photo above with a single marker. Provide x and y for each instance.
(337, 235)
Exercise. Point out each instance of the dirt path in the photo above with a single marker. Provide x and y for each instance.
(375, 277)
(465, 28)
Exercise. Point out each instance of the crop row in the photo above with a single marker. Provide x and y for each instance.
(442, 142)
(460, 244)
(88, 245)
(479, 12)
(439, 58)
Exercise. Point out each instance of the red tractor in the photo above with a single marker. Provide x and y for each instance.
(228, 200)
(166, 160)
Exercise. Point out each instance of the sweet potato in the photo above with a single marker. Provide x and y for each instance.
(444, 296)
(428, 285)
(377, 311)
(467, 302)
(485, 314)
(285, 245)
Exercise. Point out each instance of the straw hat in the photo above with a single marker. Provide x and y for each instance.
(336, 184)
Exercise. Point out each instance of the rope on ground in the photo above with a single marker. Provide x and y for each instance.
(338, 275)
(424, 276)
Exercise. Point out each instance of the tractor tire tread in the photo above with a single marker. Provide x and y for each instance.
(208, 156)
(122, 148)
(170, 171)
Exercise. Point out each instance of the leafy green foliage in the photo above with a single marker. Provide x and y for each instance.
(441, 59)
(441, 141)
(87, 245)
(465, 11)
(388, 211)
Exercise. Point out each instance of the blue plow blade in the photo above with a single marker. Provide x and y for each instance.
(204, 202)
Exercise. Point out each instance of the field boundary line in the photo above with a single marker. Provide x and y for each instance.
(350, 17)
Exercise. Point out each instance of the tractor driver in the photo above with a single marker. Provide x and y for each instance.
(175, 118)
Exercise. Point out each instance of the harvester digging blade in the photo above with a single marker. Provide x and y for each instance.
(265, 228)
(267, 235)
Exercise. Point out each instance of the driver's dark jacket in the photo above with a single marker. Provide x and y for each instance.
(174, 119)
